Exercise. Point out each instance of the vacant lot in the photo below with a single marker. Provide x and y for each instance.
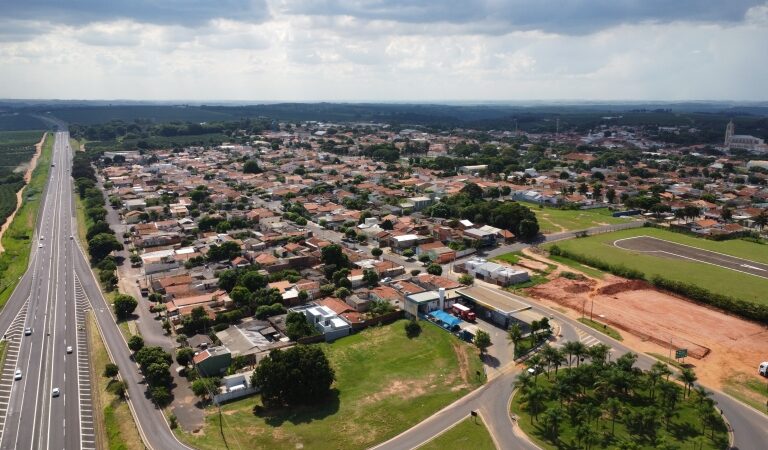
(552, 220)
(725, 345)
(385, 383)
(714, 278)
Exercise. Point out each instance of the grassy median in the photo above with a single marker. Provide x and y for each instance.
(17, 240)
(385, 383)
(469, 433)
(114, 420)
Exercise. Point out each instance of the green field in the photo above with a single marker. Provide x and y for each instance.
(385, 383)
(553, 220)
(16, 240)
(468, 434)
(712, 278)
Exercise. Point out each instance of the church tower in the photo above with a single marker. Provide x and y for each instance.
(728, 133)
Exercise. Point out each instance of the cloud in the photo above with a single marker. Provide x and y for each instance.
(565, 17)
(189, 13)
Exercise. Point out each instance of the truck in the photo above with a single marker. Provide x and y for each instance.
(463, 312)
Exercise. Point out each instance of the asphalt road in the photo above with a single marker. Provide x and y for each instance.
(661, 247)
(45, 301)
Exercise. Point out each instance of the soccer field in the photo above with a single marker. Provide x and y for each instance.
(553, 220)
(734, 268)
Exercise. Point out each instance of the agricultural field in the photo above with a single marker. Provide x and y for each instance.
(742, 278)
(553, 220)
(16, 148)
(20, 121)
(385, 383)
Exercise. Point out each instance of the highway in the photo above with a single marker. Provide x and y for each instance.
(45, 301)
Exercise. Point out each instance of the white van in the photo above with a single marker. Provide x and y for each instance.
(763, 370)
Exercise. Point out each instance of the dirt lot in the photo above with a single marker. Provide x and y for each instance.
(721, 344)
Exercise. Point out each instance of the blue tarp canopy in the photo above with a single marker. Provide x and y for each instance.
(449, 320)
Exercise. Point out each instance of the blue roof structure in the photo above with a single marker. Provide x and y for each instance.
(448, 320)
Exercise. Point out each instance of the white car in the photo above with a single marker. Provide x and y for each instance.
(71, 237)
(27, 331)
(55, 392)
(17, 375)
(42, 238)
(69, 349)
(40, 246)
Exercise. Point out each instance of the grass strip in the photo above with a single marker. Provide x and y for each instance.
(601, 327)
(469, 433)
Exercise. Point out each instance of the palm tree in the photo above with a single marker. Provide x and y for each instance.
(703, 393)
(580, 351)
(524, 382)
(552, 420)
(598, 353)
(515, 334)
(688, 378)
(534, 328)
(654, 376)
(570, 348)
(534, 401)
(535, 363)
(556, 358)
(613, 408)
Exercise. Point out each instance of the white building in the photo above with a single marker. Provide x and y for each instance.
(495, 273)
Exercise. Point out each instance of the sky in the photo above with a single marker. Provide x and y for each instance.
(377, 50)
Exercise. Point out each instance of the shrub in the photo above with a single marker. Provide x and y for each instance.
(412, 329)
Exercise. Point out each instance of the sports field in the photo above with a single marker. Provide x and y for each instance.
(735, 268)
(553, 220)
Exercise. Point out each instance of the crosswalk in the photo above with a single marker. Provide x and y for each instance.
(586, 338)
(85, 396)
(13, 342)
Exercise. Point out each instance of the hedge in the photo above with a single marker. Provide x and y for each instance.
(745, 309)
(616, 269)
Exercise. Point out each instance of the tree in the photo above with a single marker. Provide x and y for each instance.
(425, 259)
(515, 334)
(613, 407)
(299, 375)
(204, 387)
(435, 269)
(412, 329)
(376, 252)
(161, 395)
(251, 166)
(111, 370)
(184, 356)
(467, 279)
(688, 377)
(102, 245)
(241, 296)
(297, 326)
(253, 281)
(124, 305)
(370, 278)
(408, 253)
(332, 255)
(610, 195)
(482, 341)
(552, 420)
(473, 191)
(528, 230)
(534, 400)
(135, 343)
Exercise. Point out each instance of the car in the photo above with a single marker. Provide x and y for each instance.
(69, 349)
(27, 331)
(40, 246)
(71, 237)
(17, 375)
(42, 238)
(55, 392)
(386, 279)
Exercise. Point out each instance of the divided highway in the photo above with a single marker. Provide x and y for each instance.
(40, 322)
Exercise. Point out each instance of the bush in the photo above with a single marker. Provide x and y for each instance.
(124, 305)
(467, 279)
(412, 329)
(111, 370)
(616, 269)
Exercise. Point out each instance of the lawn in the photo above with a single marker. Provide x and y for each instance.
(17, 238)
(749, 389)
(684, 428)
(553, 220)
(385, 383)
(712, 278)
(469, 433)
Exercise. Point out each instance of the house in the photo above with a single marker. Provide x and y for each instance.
(326, 321)
(495, 273)
(213, 361)
(235, 386)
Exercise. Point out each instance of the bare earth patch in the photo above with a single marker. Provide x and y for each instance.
(723, 344)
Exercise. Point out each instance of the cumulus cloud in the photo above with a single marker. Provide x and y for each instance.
(377, 50)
